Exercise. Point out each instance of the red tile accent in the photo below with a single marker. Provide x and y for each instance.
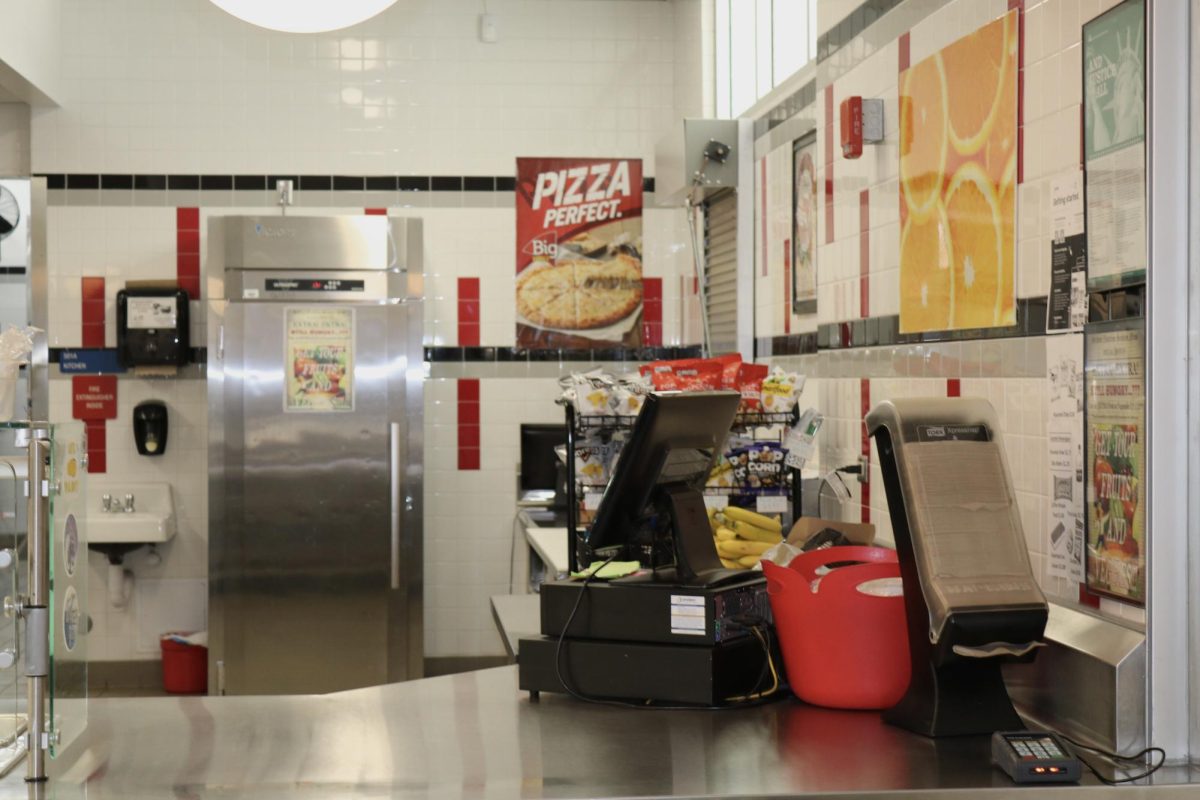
(829, 123)
(829, 204)
(787, 286)
(468, 312)
(187, 218)
(905, 49)
(187, 250)
(97, 446)
(375, 212)
(864, 388)
(92, 312)
(652, 303)
(468, 424)
(762, 179)
(864, 253)
(1086, 598)
(953, 387)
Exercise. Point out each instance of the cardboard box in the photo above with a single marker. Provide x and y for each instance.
(856, 532)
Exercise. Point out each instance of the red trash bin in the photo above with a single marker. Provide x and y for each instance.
(842, 647)
(184, 667)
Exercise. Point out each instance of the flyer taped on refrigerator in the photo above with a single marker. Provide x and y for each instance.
(1065, 521)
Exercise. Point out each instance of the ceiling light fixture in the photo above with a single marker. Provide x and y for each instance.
(304, 16)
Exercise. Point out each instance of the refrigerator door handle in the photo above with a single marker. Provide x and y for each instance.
(394, 469)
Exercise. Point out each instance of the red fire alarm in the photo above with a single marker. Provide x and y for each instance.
(862, 122)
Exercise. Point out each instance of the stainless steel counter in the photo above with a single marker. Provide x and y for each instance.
(474, 735)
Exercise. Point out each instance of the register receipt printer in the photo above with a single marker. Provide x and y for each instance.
(970, 596)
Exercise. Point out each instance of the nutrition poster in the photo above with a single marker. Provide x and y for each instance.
(1064, 438)
(1116, 459)
(958, 137)
(804, 226)
(579, 252)
(1114, 133)
(319, 359)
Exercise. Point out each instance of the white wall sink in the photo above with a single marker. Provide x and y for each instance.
(152, 520)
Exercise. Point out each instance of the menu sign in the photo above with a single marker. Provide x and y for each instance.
(1115, 437)
(579, 252)
(319, 359)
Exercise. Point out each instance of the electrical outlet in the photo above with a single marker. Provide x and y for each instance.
(864, 469)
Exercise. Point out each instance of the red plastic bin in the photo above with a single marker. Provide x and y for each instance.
(184, 667)
(841, 648)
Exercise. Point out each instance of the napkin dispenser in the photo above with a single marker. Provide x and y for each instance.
(971, 599)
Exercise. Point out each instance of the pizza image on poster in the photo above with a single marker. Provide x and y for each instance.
(579, 252)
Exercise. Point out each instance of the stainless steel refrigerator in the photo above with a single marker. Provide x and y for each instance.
(315, 371)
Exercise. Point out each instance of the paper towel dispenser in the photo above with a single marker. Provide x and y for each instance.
(971, 598)
(152, 327)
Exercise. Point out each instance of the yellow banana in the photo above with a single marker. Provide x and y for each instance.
(754, 518)
(730, 564)
(723, 534)
(737, 548)
(749, 561)
(754, 533)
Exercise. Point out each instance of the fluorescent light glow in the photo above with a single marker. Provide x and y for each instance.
(304, 16)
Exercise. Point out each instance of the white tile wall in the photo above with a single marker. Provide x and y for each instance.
(181, 88)
(1009, 373)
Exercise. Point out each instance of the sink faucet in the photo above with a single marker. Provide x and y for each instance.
(129, 504)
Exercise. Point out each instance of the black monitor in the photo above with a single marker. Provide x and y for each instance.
(540, 473)
(653, 508)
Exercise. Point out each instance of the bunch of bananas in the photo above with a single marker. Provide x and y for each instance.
(742, 536)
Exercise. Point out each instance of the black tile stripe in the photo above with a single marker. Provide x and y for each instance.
(885, 331)
(413, 183)
(83, 181)
(116, 181)
(154, 183)
(852, 25)
(217, 183)
(309, 183)
(249, 183)
(12, 270)
(478, 184)
(381, 183)
(348, 183)
(477, 355)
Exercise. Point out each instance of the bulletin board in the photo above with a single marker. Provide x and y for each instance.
(804, 225)
(958, 147)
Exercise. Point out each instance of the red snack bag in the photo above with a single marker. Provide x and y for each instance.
(729, 369)
(749, 382)
(698, 375)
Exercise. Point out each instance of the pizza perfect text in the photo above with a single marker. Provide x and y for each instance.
(582, 194)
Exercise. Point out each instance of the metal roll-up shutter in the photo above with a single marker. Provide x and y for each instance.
(720, 270)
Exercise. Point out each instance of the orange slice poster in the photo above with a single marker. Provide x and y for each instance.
(958, 151)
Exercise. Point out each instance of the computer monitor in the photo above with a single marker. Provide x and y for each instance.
(539, 473)
(653, 508)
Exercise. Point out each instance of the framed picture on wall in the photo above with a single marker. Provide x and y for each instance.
(1115, 462)
(804, 225)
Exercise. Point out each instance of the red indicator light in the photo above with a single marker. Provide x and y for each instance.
(316, 284)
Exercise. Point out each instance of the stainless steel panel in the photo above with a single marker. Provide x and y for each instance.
(319, 243)
(315, 518)
(1089, 682)
(474, 735)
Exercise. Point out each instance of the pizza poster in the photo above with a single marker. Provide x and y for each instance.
(579, 252)
(319, 353)
(1115, 436)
